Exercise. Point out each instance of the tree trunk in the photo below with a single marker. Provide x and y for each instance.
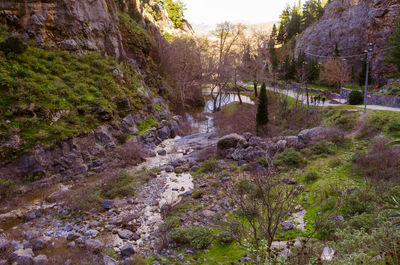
(255, 84)
(238, 88)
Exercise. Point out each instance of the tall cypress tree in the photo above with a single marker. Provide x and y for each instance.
(262, 109)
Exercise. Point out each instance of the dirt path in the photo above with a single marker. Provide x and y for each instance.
(328, 103)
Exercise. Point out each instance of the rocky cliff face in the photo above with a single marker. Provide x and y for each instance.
(352, 24)
(84, 25)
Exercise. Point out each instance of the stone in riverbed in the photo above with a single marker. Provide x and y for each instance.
(22, 256)
(286, 226)
(107, 204)
(127, 250)
(4, 244)
(169, 169)
(73, 236)
(125, 234)
(40, 260)
(162, 152)
(109, 261)
(94, 245)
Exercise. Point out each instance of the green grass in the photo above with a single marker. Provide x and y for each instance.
(221, 254)
(146, 125)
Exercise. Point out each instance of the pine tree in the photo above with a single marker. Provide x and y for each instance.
(395, 51)
(272, 52)
(262, 109)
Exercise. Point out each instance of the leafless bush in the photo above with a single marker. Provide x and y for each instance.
(131, 153)
(262, 201)
(241, 120)
(380, 163)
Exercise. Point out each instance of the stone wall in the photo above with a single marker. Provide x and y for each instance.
(388, 101)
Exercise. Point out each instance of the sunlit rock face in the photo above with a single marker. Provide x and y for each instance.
(351, 24)
(68, 24)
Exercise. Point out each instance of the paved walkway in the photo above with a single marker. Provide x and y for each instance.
(303, 99)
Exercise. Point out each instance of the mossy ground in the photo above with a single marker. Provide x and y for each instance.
(48, 94)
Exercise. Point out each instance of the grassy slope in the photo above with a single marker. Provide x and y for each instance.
(39, 83)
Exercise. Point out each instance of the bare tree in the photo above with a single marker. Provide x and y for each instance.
(335, 72)
(262, 202)
(181, 60)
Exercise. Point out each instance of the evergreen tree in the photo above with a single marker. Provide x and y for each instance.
(336, 53)
(262, 109)
(312, 12)
(272, 51)
(284, 20)
(395, 51)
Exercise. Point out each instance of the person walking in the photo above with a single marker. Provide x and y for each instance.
(323, 100)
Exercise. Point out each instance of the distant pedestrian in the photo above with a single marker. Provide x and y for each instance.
(323, 100)
(312, 99)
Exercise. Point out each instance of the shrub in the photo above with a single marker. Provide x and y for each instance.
(381, 162)
(209, 165)
(14, 45)
(356, 97)
(360, 201)
(335, 162)
(324, 147)
(7, 188)
(289, 157)
(311, 176)
(224, 237)
(198, 237)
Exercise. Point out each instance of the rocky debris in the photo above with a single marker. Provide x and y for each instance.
(32, 215)
(22, 256)
(107, 204)
(127, 250)
(73, 236)
(327, 254)
(109, 261)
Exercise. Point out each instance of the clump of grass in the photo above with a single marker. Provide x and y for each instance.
(146, 125)
(289, 157)
(311, 176)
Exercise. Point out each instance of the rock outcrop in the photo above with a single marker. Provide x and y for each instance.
(351, 24)
(75, 158)
(68, 24)
(249, 148)
(85, 25)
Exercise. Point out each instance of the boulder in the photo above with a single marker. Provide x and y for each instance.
(314, 135)
(22, 256)
(4, 244)
(38, 244)
(163, 133)
(227, 142)
(69, 45)
(94, 245)
(109, 261)
(40, 260)
(327, 254)
(107, 204)
(58, 194)
(286, 226)
(32, 215)
(127, 250)
(125, 234)
(162, 152)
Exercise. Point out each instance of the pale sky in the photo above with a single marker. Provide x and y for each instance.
(212, 12)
